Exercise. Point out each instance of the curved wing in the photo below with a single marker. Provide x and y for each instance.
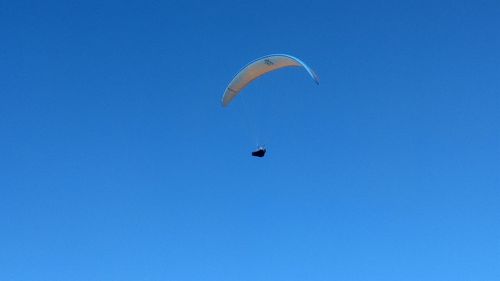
(259, 67)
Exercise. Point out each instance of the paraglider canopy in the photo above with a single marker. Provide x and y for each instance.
(259, 67)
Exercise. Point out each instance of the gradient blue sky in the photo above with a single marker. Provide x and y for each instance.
(118, 163)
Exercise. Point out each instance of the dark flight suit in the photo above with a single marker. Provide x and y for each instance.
(259, 152)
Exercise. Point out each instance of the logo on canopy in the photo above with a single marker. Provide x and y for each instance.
(268, 62)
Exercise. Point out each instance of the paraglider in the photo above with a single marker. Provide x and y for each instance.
(259, 67)
(260, 152)
(256, 69)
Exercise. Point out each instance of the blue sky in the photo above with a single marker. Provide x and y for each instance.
(117, 161)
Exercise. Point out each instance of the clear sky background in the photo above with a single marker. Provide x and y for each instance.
(117, 161)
